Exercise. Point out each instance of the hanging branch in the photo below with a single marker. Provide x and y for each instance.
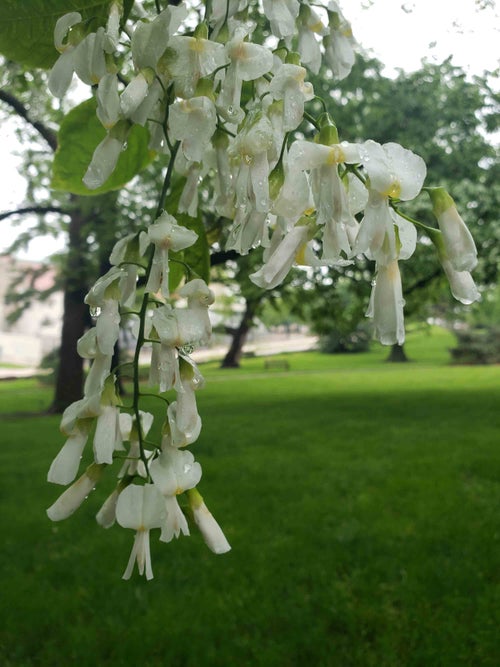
(42, 210)
(44, 131)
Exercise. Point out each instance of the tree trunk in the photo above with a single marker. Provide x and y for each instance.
(233, 356)
(397, 354)
(69, 380)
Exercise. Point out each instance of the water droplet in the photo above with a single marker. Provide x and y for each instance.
(186, 468)
(95, 311)
(247, 159)
(187, 349)
(125, 146)
(373, 283)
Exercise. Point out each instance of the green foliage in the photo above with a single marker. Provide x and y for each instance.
(477, 346)
(79, 134)
(27, 27)
(337, 341)
(397, 568)
(479, 341)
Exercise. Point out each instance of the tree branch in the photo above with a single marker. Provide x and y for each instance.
(223, 256)
(33, 209)
(16, 104)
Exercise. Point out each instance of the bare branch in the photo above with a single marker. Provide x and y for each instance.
(33, 209)
(16, 104)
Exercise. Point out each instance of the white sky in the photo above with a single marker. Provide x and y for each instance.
(398, 33)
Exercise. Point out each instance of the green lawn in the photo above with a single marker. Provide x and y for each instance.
(360, 498)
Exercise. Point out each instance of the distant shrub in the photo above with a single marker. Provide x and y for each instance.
(337, 342)
(477, 346)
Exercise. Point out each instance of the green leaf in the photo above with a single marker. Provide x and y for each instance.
(27, 27)
(78, 137)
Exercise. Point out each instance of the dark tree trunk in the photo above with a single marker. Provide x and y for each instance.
(69, 380)
(397, 354)
(233, 356)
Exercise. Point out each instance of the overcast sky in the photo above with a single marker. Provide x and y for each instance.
(399, 33)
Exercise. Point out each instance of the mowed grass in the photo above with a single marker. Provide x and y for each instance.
(360, 498)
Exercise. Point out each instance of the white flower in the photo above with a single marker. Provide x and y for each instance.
(135, 93)
(61, 73)
(277, 266)
(193, 122)
(249, 149)
(133, 464)
(386, 305)
(64, 467)
(106, 516)
(195, 58)
(108, 436)
(458, 242)
(108, 101)
(151, 38)
(462, 284)
(174, 472)
(248, 62)
(103, 163)
(392, 171)
(339, 44)
(69, 501)
(249, 229)
(89, 58)
(182, 438)
(113, 27)
(281, 15)
(310, 25)
(140, 508)
(209, 528)
(289, 85)
(166, 235)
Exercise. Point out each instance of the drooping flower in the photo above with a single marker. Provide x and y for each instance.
(248, 62)
(460, 247)
(193, 122)
(66, 42)
(140, 508)
(249, 150)
(209, 528)
(281, 15)
(339, 44)
(393, 171)
(196, 57)
(108, 437)
(166, 235)
(106, 154)
(386, 305)
(151, 38)
(276, 267)
(173, 472)
(69, 501)
(289, 85)
(133, 464)
(330, 196)
(309, 25)
(64, 467)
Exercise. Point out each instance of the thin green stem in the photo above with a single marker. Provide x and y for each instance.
(420, 225)
(162, 398)
(311, 119)
(142, 314)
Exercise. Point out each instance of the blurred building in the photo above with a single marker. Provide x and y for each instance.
(38, 330)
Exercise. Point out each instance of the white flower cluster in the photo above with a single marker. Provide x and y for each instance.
(228, 112)
(168, 470)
